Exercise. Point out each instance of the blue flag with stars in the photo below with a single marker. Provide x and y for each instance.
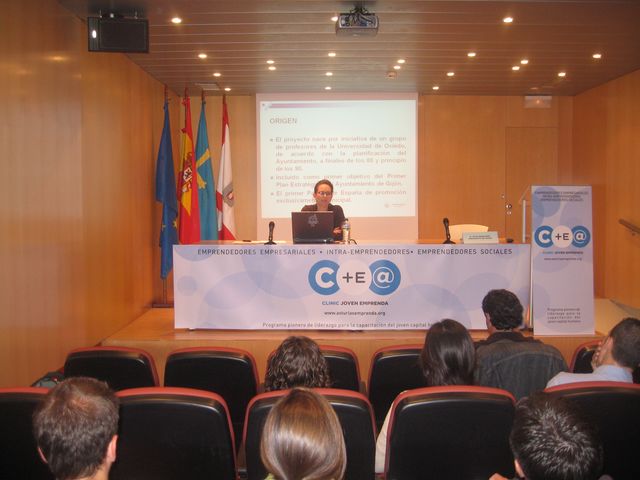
(166, 194)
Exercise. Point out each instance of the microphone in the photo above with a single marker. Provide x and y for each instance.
(445, 222)
(272, 225)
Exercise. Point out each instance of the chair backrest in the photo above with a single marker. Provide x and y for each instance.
(18, 451)
(614, 408)
(450, 432)
(456, 231)
(120, 367)
(393, 370)
(343, 367)
(174, 434)
(581, 360)
(229, 372)
(356, 418)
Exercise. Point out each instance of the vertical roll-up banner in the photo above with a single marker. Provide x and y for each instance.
(562, 260)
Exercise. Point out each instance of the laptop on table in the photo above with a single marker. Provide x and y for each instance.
(312, 227)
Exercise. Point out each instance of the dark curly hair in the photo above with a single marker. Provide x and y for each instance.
(297, 362)
(504, 309)
(448, 355)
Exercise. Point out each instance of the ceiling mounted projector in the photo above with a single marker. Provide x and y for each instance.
(357, 22)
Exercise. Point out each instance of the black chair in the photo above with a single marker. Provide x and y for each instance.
(343, 368)
(229, 372)
(120, 367)
(174, 434)
(393, 370)
(19, 456)
(450, 433)
(354, 413)
(614, 408)
(581, 360)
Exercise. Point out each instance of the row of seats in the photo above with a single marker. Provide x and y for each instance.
(453, 432)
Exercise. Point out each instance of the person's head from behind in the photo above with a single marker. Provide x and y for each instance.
(448, 355)
(302, 439)
(297, 362)
(550, 441)
(623, 344)
(76, 428)
(502, 310)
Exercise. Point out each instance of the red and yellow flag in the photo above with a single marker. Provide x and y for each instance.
(189, 215)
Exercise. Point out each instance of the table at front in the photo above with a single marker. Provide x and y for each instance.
(342, 287)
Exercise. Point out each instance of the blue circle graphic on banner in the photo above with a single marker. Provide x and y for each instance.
(385, 277)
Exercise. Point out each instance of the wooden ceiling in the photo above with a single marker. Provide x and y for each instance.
(434, 37)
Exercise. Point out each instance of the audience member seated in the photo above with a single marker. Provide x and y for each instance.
(616, 358)
(550, 441)
(302, 439)
(447, 358)
(76, 429)
(507, 359)
(297, 362)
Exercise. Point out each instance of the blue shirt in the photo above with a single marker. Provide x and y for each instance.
(603, 373)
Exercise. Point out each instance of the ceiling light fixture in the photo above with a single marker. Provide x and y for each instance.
(334, 18)
(597, 56)
(397, 67)
(515, 68)
(331, 54)
(176, 20)
(227, 89)
(272, 67)
(450, 74)
(270, 62)
(562, 74)
(329, 74)
(202, 55)
(217, 74)
(471, 54)
(524, 61)
(327, 88)
(435, 87)
(401, 60)
(507, 19)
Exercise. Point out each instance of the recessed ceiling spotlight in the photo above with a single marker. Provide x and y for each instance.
(450, 74)
(176, 20)
(471, 54)
(329, 74)
(270, 62)
(515, 68)
(397, 67)
(331, 54)
(524, 61)
(562, 74)
(435, 87)
(272, 67)
(534, 88)
(597, 56)
(401, 60)
(217, 74)
(334, 18)
(202, 55)
(327, 88)
(507, 19)
(227, 89)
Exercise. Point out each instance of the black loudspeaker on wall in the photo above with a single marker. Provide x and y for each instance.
(126, 35)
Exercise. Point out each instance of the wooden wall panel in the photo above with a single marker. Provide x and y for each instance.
(607, 154)
(77, 244)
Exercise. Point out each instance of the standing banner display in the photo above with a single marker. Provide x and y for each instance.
(363, 287)
(562, 260)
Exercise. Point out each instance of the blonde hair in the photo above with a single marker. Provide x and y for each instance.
(302, 439)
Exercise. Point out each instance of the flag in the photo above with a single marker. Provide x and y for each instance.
(206, 187)
(224, 193)
(166, 194)
(189, 217)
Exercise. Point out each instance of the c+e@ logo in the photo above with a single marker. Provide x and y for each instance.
(382, 277)
(561, 236)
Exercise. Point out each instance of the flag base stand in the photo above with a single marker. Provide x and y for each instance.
(165, 301)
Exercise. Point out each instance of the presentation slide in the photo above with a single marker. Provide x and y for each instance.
(365, 144)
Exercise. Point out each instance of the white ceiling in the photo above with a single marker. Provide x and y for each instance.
(434, 37)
